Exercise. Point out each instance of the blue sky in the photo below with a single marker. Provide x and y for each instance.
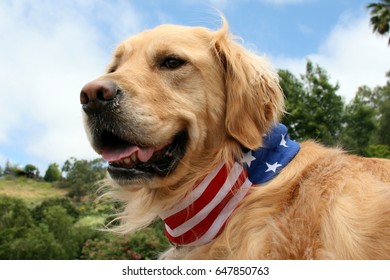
(50, 49)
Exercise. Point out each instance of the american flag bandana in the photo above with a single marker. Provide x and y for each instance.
(201, 216)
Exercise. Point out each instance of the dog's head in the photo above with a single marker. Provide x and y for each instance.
(173, 98)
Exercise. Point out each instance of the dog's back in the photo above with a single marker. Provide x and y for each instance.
(325, 204)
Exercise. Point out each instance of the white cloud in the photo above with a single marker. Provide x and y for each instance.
(351, 54)
(48, 52)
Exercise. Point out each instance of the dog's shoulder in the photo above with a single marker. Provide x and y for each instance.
(336, 160)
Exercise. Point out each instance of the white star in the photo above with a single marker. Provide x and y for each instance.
(272, 167)
(283, 141)
(248, 158)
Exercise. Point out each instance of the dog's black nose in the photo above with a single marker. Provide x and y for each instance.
(97, 94)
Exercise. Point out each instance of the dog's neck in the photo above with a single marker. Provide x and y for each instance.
(201, 216)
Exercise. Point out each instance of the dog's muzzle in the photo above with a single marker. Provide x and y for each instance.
(129, 156)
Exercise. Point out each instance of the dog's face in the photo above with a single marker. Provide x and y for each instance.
(172, 98)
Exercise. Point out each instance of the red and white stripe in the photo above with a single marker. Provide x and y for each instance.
(200, 217)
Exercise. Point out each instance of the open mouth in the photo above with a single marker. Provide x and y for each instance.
(129, 161)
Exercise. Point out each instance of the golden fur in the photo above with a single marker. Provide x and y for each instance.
(325, 204)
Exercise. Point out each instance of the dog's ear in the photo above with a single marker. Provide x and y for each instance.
(254, 100)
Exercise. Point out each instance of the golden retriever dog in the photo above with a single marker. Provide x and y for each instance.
(187, 119)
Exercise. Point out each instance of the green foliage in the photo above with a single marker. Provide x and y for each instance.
(145, 244)
(56, 230)
(15, 218)
(81, 176)
(313, 106)
(22, 237)
(382, 94)
(296, 116)
(150, 241)
(324, 105)
(36, 243)
(367, 121)
(361, 124)
(39, 211)
(315, 111)
(12, 169)
(53, 173)
(108, 249)
(380, 17)
(31, 171)
(60, 224)
(379, 151)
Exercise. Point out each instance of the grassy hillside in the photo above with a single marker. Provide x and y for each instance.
(38, 220)
(31, 191)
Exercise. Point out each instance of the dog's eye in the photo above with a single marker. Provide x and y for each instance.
(172, 63)
(112, 69)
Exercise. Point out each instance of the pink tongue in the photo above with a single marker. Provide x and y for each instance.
(115, 154)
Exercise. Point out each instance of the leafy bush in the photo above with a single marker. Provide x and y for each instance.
(108, 249)
(145, 244)
(60, 224)
(53, 173)
(20, 237)
(149, 242)
(56, 230)
(15, 220)
(380, 151)
(14, 213)
(51, 236)
(64, 202)
(36, 243)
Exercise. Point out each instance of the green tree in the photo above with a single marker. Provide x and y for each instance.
(296, 110)
(367, 122)
(378, 99)
(60, 224)
(360, 124)
(51, 236)
(82, 175)
(380, 17)
(324, 105)
(383, 103)
(53, 173)
(20, 237)
(314, 110)
(31, 171)
(15, 218)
